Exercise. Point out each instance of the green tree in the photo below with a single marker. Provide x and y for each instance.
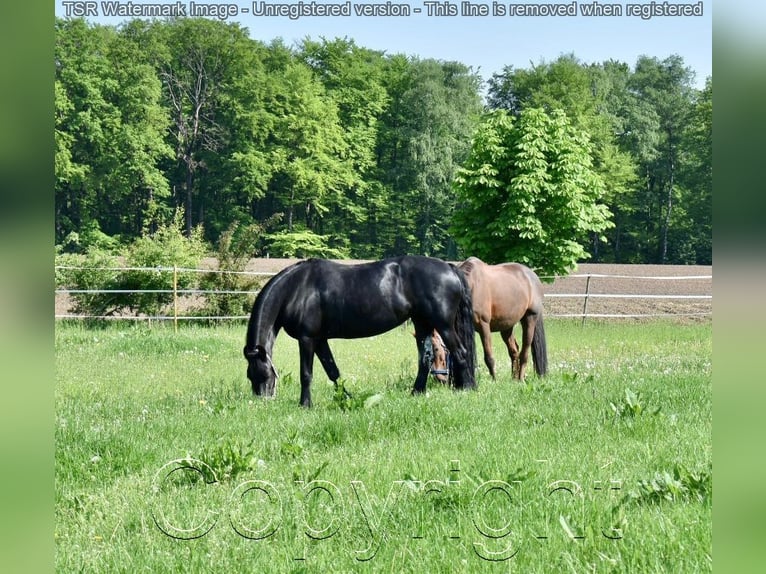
(167, 246)
(587, 94)
(237, 176)
(109, 132)
(528, 192)
(694, 236)
(666, 86)
(434, 108)
(353, 79)
(309, 157)
(197, 60)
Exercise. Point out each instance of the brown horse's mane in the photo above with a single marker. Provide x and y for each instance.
(467, 266)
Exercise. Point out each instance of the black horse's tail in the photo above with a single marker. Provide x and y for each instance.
(465, 330)
(540, 348)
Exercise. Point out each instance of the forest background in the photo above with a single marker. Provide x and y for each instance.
(337, 150)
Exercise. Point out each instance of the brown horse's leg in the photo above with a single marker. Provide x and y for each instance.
(528, 323)
(486, 343)
(513, 350)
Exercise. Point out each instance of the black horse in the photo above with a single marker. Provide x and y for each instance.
(317, 300)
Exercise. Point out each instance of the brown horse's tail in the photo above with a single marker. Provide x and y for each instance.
(465, 330)
(539, 348)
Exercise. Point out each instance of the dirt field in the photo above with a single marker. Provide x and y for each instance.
(623, 280)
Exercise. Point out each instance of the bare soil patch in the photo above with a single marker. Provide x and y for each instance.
(654, 281)
(656, 290)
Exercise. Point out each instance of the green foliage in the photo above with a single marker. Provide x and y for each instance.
(528, 192)
(236, 246)
(357, 143)
(167, 247)
(304, 244)
(642, 123)
(88, 238)
(345, 401)
(109, 131)
(93, 270)
(630, 406)
(676, 486)
(424, 139)
(224, 460)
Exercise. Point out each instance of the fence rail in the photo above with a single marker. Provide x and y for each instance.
(562, 298)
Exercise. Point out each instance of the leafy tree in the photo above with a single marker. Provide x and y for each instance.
(196, 60)
(306, 243)
(237, 176)
(636, 129)
(168, 246)
(311, 170)
(666, 86)
(528, 192)
(353, 79)
(588, 94)
(236, 246)
(697, 176)
(434, 108)
(109, 131)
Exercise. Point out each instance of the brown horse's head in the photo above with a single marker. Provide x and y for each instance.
(440, 358)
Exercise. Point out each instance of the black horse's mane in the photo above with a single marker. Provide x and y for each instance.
(253, 324)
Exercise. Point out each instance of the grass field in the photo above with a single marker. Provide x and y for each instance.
(165, 463)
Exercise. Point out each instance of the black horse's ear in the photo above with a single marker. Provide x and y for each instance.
(259, 352)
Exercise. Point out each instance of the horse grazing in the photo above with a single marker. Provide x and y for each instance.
(316, 300)
(503, 295)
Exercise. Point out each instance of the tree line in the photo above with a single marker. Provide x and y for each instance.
(337, 150)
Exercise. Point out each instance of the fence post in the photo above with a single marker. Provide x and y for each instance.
(175, 298)
(585, 303)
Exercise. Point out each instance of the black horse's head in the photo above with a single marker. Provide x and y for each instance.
(261, 371)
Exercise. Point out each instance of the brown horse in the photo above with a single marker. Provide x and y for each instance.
(503, 295)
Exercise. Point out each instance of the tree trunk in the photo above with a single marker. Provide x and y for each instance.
(188, 200)
(668, 201)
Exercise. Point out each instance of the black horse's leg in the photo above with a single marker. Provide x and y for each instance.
(463, 379)
(421, 332)
(306, 347)
(324, 353)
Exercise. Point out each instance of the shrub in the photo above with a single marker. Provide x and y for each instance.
(166, 247)
(94, 270)
(305, 244)
(99, 270)
(235, 248)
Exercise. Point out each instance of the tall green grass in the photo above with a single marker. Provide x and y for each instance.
(166, 463)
